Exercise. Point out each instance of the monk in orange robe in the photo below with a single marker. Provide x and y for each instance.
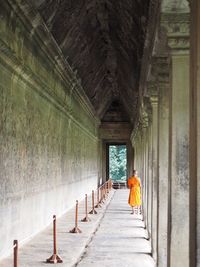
(135, 192)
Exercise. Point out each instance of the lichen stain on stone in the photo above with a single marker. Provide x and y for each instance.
(182, 162)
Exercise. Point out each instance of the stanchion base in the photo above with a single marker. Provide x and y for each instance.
(54, 259)
(75, 230)
(93, 211)
(101, 202)
(86, 219)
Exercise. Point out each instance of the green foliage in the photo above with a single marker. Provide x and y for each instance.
(117, 162)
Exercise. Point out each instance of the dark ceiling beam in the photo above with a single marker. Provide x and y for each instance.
(103, 41)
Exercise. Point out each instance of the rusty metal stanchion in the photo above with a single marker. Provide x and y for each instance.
(107, 187)
(55, 258)
(101, 195)
(104, 191)
(86, 219)
(98, 201)
(93, 211)
(76, 230)
(110, 184)
(15, 253)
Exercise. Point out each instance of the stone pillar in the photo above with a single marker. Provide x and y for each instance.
(141, 167)
(142, 141)
(149, 178)
(195, 136)
(179, 244)
(130, 155)
(154, 103)
(150, 181)
(177, 27)
(143, 173)
(104, 161)
(163, 174)
(138, 141)
(145, 205)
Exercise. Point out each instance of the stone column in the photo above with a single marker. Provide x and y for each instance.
(179, 244)
(146, 177)
(154, 103)
(139, 142)
(163, 174)
(195, 136)
(142, 170)
(130, 156)
(177, 27)
(135, 145)
(104, 161)
(150, 181)
(146, 126)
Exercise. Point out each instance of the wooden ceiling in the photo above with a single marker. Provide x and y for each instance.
(103, 40)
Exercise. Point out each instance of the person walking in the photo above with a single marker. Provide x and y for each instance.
(134, 185)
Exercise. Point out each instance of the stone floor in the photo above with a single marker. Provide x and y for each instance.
(113, 237)
(120, 240)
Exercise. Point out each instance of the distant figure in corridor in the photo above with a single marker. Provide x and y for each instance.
(134, 196)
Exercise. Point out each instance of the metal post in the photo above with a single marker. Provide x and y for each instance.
(15, 251)
(76, 230)
(98, 201)
(54, 258)
(86, 219)
(93, 211)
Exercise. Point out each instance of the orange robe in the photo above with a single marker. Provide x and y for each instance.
(134, 195)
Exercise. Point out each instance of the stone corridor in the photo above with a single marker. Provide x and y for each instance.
(77, 77)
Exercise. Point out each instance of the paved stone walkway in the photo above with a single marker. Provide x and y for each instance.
(120, 240)
(112, 238)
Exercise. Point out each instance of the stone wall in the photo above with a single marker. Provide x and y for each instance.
(48, 131)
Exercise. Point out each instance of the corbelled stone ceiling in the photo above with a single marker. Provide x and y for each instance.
(103, 40)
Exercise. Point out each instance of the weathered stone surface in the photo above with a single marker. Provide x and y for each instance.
(163, 174)
(115, 131)
(195, 135)
(50, 152)
(48, 141)
(179, 168)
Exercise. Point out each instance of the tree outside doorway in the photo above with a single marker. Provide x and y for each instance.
(118, 162)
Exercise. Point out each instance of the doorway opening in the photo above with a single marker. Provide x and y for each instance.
(117, 163)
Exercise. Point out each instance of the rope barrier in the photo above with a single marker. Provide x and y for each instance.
(102, 192)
